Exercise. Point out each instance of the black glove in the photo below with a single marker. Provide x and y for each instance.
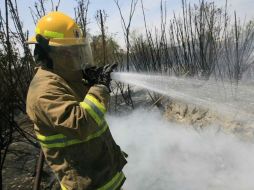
(91, 74)
(99, 75)
(104, 77)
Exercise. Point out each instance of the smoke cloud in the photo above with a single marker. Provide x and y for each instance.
(165, 155)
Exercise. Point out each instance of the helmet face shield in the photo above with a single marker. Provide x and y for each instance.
(71, 58)
(86, 52)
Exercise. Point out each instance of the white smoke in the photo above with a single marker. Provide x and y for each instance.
(165, 155)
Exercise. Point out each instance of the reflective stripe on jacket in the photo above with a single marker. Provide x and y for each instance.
(73, 132)
(95, 109)
(113, 184)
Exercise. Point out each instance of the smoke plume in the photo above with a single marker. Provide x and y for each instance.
(165, 155)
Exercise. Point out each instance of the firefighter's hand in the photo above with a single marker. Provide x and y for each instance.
(91, 74)
(104, 77)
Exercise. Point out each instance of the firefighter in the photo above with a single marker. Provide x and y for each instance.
(68, 113)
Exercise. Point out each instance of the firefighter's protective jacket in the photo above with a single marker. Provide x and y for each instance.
(70, 126)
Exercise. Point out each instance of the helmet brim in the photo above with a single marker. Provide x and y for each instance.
(31, 40)
(60, 41)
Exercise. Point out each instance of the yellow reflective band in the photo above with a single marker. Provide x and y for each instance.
(63, 188)
(94, 115)
(114, 182)
(66, 142)
(96, 102)
(49, 138)
(52, 34)
(37, 30)
(61, 144)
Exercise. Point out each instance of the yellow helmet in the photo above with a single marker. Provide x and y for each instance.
(60, 29)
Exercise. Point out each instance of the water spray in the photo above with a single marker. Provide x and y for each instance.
(221, 97)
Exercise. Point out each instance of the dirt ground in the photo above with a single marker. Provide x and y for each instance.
(20, 165)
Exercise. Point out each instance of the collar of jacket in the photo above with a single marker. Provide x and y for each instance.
(70, 76)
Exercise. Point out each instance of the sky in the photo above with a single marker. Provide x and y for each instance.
(244, 9)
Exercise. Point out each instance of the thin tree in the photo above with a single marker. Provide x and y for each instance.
(126, 25)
